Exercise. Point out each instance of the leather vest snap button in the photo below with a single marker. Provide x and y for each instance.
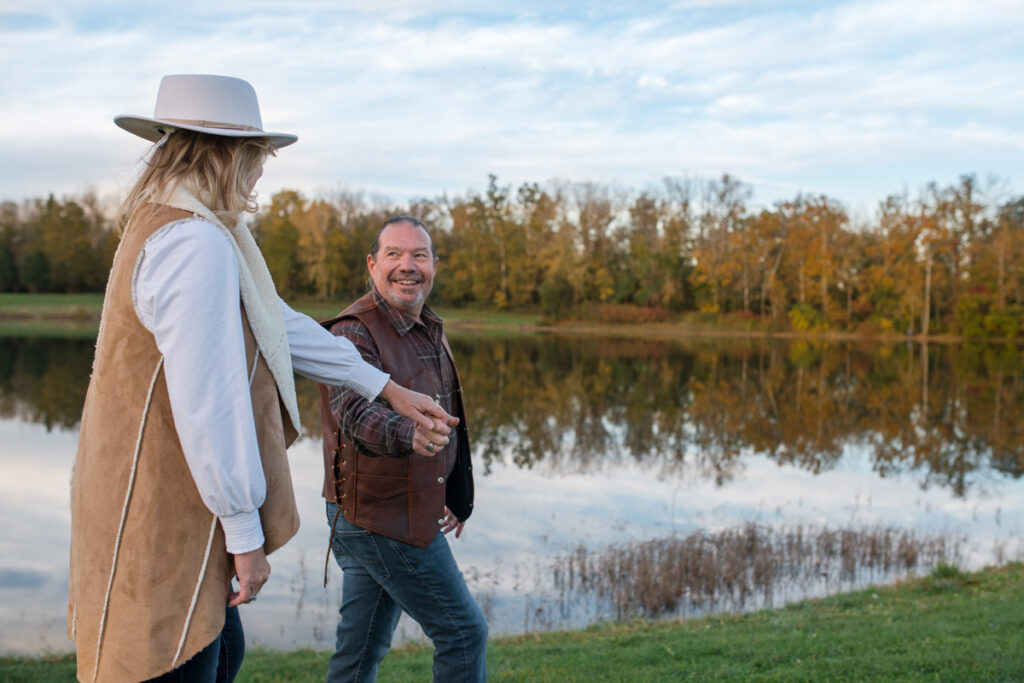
(440, 480)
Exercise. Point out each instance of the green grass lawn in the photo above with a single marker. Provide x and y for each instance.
(947, 627)
(45, 314)
(50, 315)
(63, 307)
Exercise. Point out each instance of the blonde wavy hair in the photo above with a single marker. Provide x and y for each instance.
(221, 170)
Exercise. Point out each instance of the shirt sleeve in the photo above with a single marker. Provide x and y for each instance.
(372, 426)
(324, 358)
(186, 293)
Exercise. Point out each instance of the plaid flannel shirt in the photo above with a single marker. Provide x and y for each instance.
(372, 426)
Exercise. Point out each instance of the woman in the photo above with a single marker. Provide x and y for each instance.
(181, 479)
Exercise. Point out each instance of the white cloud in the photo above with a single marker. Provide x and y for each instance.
(430, 96)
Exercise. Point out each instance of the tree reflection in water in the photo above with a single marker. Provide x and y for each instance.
(577, 404)
(43, 380)
(590, 440)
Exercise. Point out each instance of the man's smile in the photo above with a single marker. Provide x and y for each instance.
(408, 282)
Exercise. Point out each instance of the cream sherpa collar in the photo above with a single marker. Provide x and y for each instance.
(259, 296)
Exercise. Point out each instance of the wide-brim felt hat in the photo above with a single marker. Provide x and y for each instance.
(217, 105)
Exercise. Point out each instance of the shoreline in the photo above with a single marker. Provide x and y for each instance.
(83, 311)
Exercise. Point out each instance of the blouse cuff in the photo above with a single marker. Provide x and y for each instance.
(367, 380)
(242, 532)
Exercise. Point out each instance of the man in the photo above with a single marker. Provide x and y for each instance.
(393, 487)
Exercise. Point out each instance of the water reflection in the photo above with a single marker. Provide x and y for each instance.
(43, 379)
(600, 441)
(947, 411)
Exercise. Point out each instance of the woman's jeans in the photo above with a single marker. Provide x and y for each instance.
(384, 577)
(219, 661)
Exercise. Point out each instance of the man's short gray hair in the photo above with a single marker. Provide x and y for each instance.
(412, 220)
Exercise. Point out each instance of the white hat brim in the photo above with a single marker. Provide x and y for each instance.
(154, 129)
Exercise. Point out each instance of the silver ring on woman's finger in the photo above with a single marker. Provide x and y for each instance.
(252, 598)
(430, 446)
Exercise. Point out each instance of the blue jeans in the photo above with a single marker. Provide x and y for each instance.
(383, 577)
(218, 662)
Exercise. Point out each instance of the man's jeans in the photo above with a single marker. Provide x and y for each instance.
(218, 662)
(383, 577)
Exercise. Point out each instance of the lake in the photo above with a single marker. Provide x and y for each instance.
(615, 478)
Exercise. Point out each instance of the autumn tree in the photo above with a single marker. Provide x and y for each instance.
(594, 209)
(674, 245)
(638, 278)
(767, 229)
(958, 213)
(278, 238)
(891, 265)
(543, 253)
(8, 244)
(724, 209)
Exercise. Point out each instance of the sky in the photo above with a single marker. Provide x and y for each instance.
(855, 99)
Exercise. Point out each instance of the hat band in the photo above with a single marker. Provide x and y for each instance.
(216, 124)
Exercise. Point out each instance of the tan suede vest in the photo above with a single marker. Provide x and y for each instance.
(150, 575)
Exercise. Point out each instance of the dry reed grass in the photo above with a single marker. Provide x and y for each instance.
(736, 567)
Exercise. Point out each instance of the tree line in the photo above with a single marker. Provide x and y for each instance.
(50, 245)
(947, 261)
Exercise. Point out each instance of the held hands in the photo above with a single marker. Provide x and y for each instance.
(253, 570)
(429, 442)
(433, 424)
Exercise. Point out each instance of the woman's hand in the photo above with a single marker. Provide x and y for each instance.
(252, 570)
(431, 419)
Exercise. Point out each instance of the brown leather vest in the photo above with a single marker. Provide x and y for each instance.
(149, 574)
(402, 498)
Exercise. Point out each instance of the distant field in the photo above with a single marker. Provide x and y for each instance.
(61, 306)
(72, 328)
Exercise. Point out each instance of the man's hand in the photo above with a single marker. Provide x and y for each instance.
(253, 570)
(420, 408)
(451, 522)
(429, 442)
